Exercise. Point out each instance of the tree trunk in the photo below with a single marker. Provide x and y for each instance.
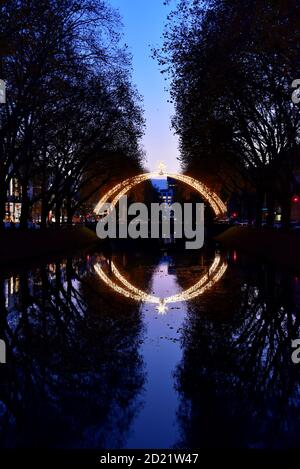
(2, 205)
(70, 211)
(271, 209)
(286, 212)
(259, 206)
(25, 207)
(3, 189)
(57, 215)
(44, 213)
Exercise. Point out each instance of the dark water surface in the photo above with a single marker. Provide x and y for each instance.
(89, 368)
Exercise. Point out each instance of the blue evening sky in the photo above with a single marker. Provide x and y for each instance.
(143, 25)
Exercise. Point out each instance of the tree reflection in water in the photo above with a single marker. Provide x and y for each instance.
(74, 372)
(75, 376)
(238, 385)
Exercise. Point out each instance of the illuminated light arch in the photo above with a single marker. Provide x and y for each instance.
(121, 189)
(214, 274)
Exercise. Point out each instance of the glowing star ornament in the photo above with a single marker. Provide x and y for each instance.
(162, 307)
(161, 168)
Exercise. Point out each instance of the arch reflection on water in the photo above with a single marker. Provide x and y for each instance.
(123, 287)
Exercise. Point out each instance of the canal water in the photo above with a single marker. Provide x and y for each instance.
(88, 367)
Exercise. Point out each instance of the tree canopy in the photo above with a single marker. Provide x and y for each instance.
(70, 101)
(231, 66)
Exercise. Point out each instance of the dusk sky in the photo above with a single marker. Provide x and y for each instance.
(144, 22)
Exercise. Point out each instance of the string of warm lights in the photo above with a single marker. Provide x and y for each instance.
(136, 291)
(125, 186)
(113, 285)
(185, 295)
(221, 271)
(130, 182)
(212, 198)
(214, 274)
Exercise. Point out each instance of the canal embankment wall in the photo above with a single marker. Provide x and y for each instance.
(17, 245)
(279, 247)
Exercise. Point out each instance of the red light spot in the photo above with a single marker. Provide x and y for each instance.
(234, 256)
(296, 199)
(234, 215)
